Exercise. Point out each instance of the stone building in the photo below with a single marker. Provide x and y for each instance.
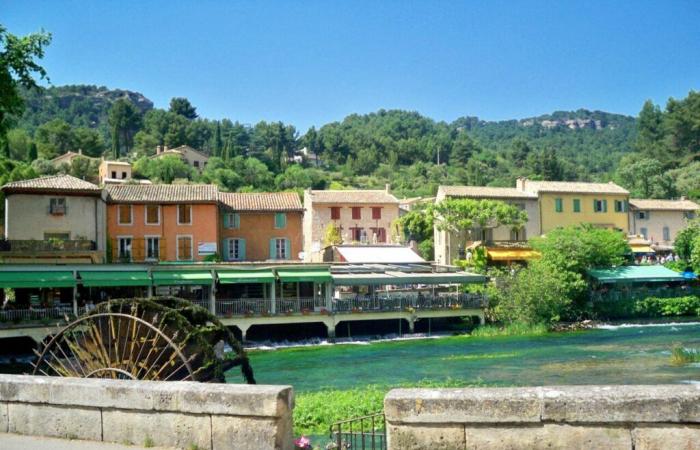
(361, 216)
(190, 156)
(659, 221)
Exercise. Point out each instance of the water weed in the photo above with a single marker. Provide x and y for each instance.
(511, 329)
(681, 355)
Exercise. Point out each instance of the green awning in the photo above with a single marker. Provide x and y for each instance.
(320, 275)
(115, 278)
(245, 276)
(37, 279)
(635, 274)
(181, 277)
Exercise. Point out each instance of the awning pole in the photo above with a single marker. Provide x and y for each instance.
(75, 293)
(212, 294)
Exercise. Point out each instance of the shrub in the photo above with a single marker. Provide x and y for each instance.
(681, 355)
(649, 307)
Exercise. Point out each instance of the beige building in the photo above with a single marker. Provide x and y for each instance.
(114, 172)
(450, 246)
(659, 221)
(192, 157)
(61, 210)
(67, 158)
(363, 217)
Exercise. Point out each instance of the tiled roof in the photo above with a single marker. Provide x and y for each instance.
(485, 192)
(354, 196)
(62, 183)
(261, 201)
(660, 205)
(576, 187)
(161, 193)
(179, 151)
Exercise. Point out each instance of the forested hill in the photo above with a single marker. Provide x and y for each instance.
(412, 152)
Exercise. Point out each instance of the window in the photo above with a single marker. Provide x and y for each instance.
(690, 215)
(152, 214)
(620, 206)
(124, 246)
(600, 206)
(196, 164)
(280, 220)
(643, 232)
(376, 212)
(558, 205)
(184, 214)
(378, 235)
(577, 205)
(57, 206)
(518, 235)
(356, 213)
(235, 249)
(279, 248)
(667, 234)
(123, 175)
(153, 247)
(357, 233)
(335, 212)
(114, 174)
(643, 215)
(232, 221)
(184, 248)
(124, 212)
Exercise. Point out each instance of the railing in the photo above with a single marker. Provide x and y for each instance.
(365, 433)
(137, 250)
(49, 245)
(57, 312)
(202, 303)
(640, 293)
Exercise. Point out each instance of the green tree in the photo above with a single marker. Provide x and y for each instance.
(650, 132)
(124, 121)
(89, 141)
(18, 68)
(458, 215)
(182, 107)
(332, 236)
(417, 224)
(641, 176)
(686, 239)
(165, 169)
(55, 138)
(217, 145)
(682, 126)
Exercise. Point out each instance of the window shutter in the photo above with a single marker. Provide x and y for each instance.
(236, 220)
(287, 249)
(227, 220)
(241, 249)
(605, 206)
(273, 252)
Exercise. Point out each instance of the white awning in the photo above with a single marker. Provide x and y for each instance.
(379, 254)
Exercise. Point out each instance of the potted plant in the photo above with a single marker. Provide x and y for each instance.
(305, 311)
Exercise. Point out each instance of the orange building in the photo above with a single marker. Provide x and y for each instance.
(261, 226)
(161, 222)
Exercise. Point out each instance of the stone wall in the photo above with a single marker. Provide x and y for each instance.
(570, 417)
(168, 414)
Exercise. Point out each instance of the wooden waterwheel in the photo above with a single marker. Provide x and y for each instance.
(164, 339)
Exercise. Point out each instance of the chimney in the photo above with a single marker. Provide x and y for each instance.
(80, 151)
(683, 198)
(520, 183)
(159, 149)
(165, 148)
(387, 188)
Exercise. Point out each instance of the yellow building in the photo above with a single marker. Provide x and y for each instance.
(563, 203)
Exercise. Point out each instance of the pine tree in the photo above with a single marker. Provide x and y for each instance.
(216, 151)
(33, 152)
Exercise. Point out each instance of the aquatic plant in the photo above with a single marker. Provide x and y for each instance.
(681, 355)
(510, 329)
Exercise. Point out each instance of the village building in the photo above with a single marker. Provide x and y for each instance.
(659, 221)
(260, 226)
(68, 157)
(360, 216)
(114, 172)
(56, 217)
(151, 223)
(564, 203)
(190, 156)
(502, 243)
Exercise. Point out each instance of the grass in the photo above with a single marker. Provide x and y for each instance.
(314, 412)
(681, 355)
(511, 329)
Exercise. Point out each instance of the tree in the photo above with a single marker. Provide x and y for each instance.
(89, 141)
(217, 146)
(457, 215)
(686, 239)
(682, 126)
(642, 176)
(55, 138)
(520, 152)
(18, 68)
(165, 169)
(182, 107)
(417, 224)
(332, 236)
(650, 131)
(124, 121)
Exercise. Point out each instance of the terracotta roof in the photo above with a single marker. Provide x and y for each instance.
(353, 196)
(54, 183)
(70, 155)
(485, 192)
(261, 201)
(661, 205)
(574, 187)
(179, 151)
(161, 193)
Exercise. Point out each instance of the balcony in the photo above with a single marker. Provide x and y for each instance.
(48, 245)
(137, 250)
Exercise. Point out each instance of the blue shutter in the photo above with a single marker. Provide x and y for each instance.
(227, 243)
(273, 252)
(241, 249)
(236, 220)
(227, 220)
(287, 249)
(280, 220)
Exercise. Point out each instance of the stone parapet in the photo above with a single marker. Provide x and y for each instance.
(170, 414)
(590, 417)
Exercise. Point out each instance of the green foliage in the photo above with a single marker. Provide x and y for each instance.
(686, 239)
(417, 224)
(124, 121)
(510, 329)
(695, 255)
(182, 107)
(681, 355)
(648, 307)
(165, 169)
(581, 247)
(457, 215)
(644, 177)
(331, 235)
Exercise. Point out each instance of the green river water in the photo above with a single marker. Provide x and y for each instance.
(622, 354)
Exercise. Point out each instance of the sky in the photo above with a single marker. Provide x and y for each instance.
(313, 62)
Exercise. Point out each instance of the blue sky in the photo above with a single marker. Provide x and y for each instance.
(312, 62)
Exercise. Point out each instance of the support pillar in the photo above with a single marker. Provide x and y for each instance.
(244, 332)
(331, 331)
(75, 295)
(212, 294)
(273, 300)
(329, 295)
(411, 325)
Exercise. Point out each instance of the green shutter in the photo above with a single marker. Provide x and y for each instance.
(595, 205)
(236, 220)
(287, 249)
(241, 249)
(577, 205)
(605, 206)
(280, 220)
(227, 220)
(273, 252)
(558, 207)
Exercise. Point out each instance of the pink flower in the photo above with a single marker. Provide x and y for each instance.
(303, 442)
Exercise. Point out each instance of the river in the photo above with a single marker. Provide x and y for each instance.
(619, 354)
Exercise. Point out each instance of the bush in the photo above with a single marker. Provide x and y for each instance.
(681, 355)
(649, 307)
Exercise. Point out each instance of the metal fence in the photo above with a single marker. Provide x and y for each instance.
(360, 433)
(49, 245)
(30, 314)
